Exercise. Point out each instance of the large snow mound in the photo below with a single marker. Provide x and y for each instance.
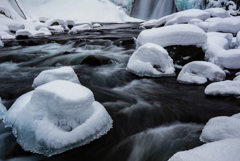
(56, 117)
(199, 72)
(223, 88)
(220, 128)
(151, 60)
(63, 73)
(230, 59)
(224, 150)
(183, 34)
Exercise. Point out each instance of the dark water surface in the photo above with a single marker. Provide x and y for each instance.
(153, 117)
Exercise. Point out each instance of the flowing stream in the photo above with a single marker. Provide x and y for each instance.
(153, 117)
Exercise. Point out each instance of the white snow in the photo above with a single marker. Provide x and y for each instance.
(4, 11)
(182, 34)
(182, 17)
(3, 110)
(224, 88)
(56, 117)
(151, 60)
(61, 22)
(218, 12)
(1, 43)
(96, 25)
(199, 72)
(63, 73)
(23, 32)
(56, 29)
(230, 59)
(220, 128)
(225, 150)
(238, 39)
(77, 29)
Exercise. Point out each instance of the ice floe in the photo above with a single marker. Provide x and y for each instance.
(56, 117)
(199, 72)
(63, 73)
(151, 60)
(182, 34)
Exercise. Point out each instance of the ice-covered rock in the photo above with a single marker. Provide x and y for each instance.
(220, 128)
(224, 150)
(218, 12)
(63, 73)
(182, 17)
(183, 34)
(151, 60)
(199, 72)
(224, 88)
(80, 28)
(230, 59)
(56, 117)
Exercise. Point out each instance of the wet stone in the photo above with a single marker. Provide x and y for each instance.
(96, 60)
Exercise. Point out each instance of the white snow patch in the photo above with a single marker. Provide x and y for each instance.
(230, 59)
(56, 117)
(4, 11)
(96, 25)
(199, 72)
(63, 73)
(151, 60)
(183, 34)
(218, 12)
(224, 150)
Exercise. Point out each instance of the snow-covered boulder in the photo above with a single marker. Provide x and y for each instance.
(56, 22)
(218, 12)
(56, 117)
(183, 34)
(230, 59)
(63, 73)
(24, 33)
(182, 17)
(151, 60)
(199, 72)
(220, 128)
(80, 28)
(223, 88)
(96, 25)
(56, 29)
(224, 150)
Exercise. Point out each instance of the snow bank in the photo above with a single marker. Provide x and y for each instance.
(77, 29)
(183, 34)
(63, 73)
(223, 88)
(224, 150)
(151, 60)
(218, 12)
(230, 59)
(182, 17)
(220, 128)
(199, 72)
(56, 117)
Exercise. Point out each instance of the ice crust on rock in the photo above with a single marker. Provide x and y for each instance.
(223, 88)
(151, 60)
(224, 150)
(182, 34)
(199, 72)
(220, 128)
(56, 117)
(80, 28)
(63, 73)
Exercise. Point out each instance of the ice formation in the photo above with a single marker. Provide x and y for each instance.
(224, 88)
(224, 150)
(151, 60)
(220, 128)
(182, 34)
(199, 72)
(189, 4)
(63, 73)
(56, 117)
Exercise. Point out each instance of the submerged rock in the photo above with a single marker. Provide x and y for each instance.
(56, 117)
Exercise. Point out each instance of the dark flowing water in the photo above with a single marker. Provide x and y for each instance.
(153, 117)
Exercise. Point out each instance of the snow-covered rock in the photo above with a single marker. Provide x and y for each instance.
(23, 32)
(80, 28)
(56, 22)
(56, 29)
(224, 88)
(151, 60)
(56, 117)
(96, 25)
(220, 128)
(183, 34)
(218, 12)
(182, 17)
(224, 150)
(199, 72)
(230, 59)
(63, 73)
